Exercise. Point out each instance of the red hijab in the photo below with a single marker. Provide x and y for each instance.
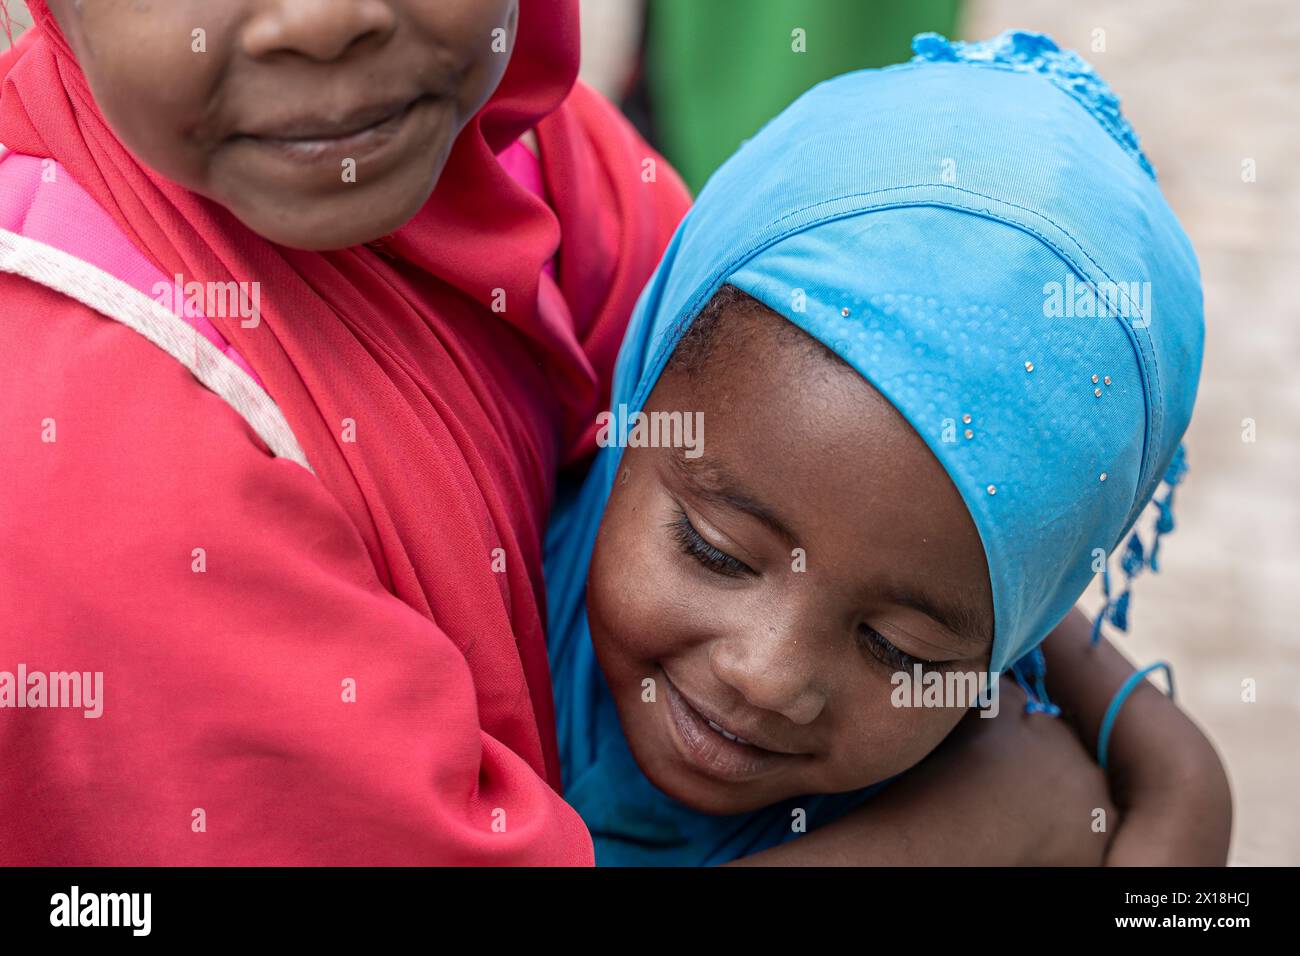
(463, 416)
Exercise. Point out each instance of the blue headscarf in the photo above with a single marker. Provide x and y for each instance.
(978, 233)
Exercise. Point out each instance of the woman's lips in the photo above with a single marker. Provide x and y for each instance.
(714, 750)
(360, 137)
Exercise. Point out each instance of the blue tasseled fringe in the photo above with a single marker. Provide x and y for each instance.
(1033, 668)
(1136, 557)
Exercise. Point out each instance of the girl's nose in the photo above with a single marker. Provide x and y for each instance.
(319, 29)
(774, 668)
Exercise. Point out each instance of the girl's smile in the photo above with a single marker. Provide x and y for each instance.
(316, 147)
(710, 748)
(353, 122)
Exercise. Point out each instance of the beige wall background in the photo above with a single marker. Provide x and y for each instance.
(1208, 84)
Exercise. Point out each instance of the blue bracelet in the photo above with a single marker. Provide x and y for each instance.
(1121, 695)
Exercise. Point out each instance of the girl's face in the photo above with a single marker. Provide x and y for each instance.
(320, 124)
(772, 586)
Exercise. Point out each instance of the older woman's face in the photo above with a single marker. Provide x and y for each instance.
(770, 589)
(319, 123)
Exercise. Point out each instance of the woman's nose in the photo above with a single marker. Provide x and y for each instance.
(318, 29)
(774, 667)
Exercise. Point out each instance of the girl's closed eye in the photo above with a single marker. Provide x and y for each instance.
(889, 654)
(694, 544)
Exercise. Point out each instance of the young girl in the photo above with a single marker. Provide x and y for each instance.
(914, 457)
(312, 588)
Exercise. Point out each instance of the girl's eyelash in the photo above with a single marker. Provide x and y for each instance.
(884, 651)
(692, 543)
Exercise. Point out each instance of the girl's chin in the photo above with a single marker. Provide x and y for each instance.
(712, 799)
(341, 225)
(664, 767)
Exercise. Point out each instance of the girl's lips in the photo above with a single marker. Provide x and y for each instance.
(713, 751)
(362, 144)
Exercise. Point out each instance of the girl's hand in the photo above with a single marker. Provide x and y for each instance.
(1165, 776)
(1034, 796)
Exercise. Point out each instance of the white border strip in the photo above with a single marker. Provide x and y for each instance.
(110, 296)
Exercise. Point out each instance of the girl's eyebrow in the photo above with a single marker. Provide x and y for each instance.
(711, 481)
(959, 618)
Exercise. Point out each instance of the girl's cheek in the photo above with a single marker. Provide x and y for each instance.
(154, 103)
(876, 740)
(642, 595)
(471, 39)
(615, 601)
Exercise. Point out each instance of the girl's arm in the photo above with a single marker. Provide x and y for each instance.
(1165, 777)
(1010, 790)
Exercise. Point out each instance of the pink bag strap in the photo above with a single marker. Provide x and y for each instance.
(53, 233)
